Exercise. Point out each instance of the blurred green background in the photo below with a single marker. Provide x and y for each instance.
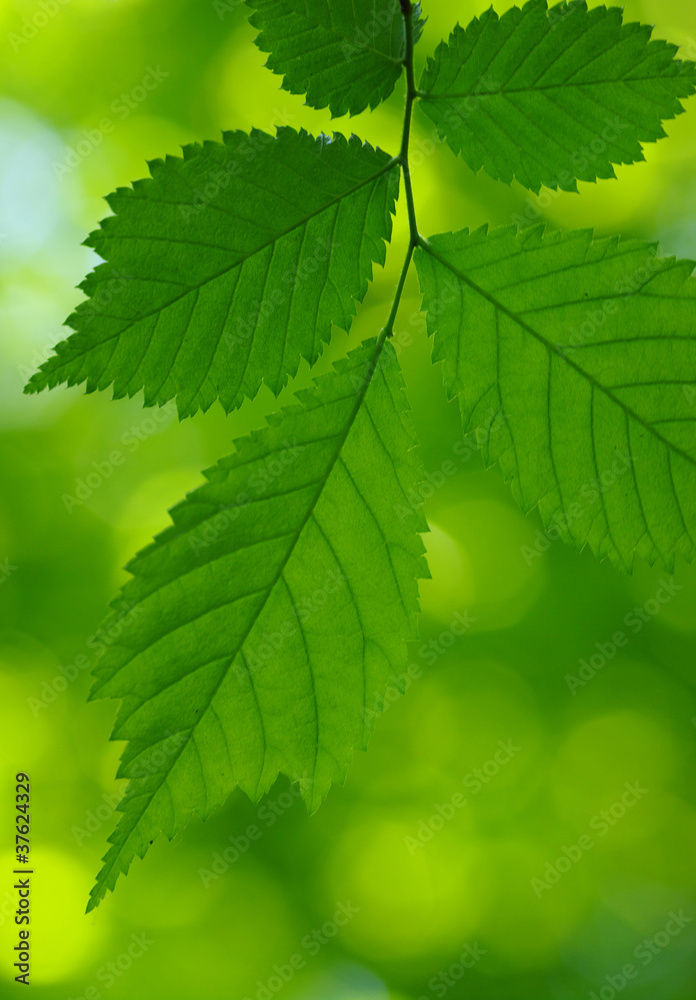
(499, 880)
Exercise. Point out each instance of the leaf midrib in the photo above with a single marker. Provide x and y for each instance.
(533, 88)
(360, 398)
(554, 349)
(333, 30)
(57, 365)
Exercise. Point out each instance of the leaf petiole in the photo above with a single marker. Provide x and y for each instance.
(414, 236)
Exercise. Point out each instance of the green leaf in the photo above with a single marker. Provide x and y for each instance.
(548, 96)
(587, 349)
(273, 612)
(226, 267)
(344, 56)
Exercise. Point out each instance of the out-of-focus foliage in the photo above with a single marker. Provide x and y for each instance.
(590, 674)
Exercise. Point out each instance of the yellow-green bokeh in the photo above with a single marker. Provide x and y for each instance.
(429, 879)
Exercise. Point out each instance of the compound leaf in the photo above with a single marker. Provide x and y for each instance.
(272, 612)
(583, 352)
(344, 56)
(226, 267)
(548, 96)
